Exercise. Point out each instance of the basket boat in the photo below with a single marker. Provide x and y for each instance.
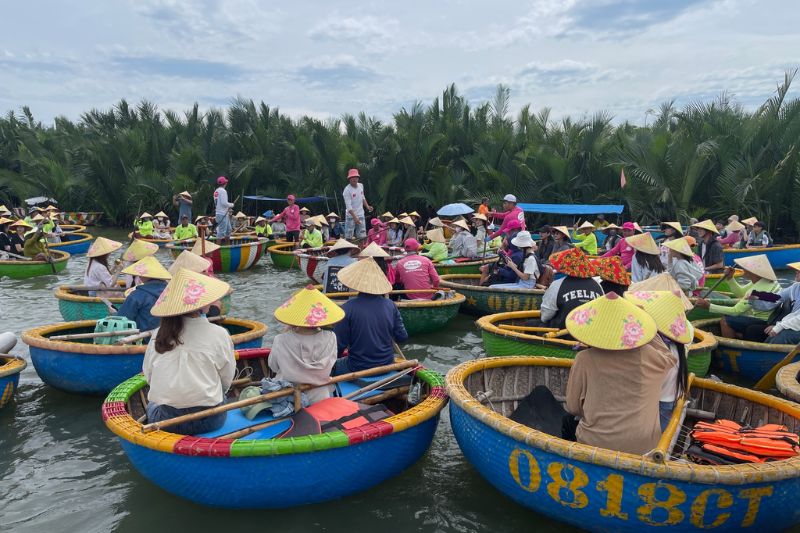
(86, 218)
(779, 256)
(748, 359)
(73, 243)
(10, 369)
(466, 267)
(241, 254)
(501, 342)
(21, 269)
(603, 490)
(276, 472)
(314, 260)
(283, 256)
(73, 228)
(787, 383)
(724, 284)
(79, 306)
(487, 300)
(84, 368)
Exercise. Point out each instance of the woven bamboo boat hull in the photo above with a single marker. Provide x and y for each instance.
(84, 368)
(82, 217)
(20, 269)
(779, 256)
(787, 383)
(10, 369)
(486, 300)
(282, 256)
(73, 243)
(278, 473)
(241, 255)
(73, 228)
(468, 267)
(159, 242)
(604, 490)
(498, 342)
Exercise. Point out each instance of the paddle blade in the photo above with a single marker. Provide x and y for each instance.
(768, 381)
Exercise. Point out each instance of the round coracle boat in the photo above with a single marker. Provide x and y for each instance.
(10, 369)
(779, 255)
(276, 470)
(786, 381)
(73, 243)
(283, 256)
(72, 228)
(154, 240)
(506, 334)
(86, 218)
(241, 254)
(464, 267)
(23, 269)
(604, 490)
(314, 260)
(81, 367)
(487, 300)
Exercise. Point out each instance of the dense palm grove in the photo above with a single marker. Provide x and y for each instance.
(704, 160)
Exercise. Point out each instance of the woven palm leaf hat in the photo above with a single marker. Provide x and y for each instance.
(387, 214)
(148, 267)
(681, 246)
(586, 225)
(145, 215)
(365, 276)
(187, 292)
(674, 225)
(237, 215)
(666, 309)
(662, 282)
(139, 249)
(435, 235)
(707, 225)
(794, 266)
(161, 214)
(210, 247)
(342, 244)
(102, 246)
(611, 323)
(435, 221)
(373, 250)
(734, 225)
(750, 221)
(189, 261)
(406, 220)
(309, 308)
(643, 243)
(610, 226)
(563, 230)
(461, 224)
(758, 265)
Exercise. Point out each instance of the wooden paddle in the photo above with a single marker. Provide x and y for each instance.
(768, 381)
(381, 383)
(720, 280)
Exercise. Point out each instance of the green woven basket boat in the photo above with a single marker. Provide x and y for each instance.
(502, 342)
(468, 267)
(282, 255)
(21, 269)
(487, 300)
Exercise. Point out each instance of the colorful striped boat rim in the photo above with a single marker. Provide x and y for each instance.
(455, 299)
(743, 344)
(786, 381)
(452, 281)
(10, 365)
(84, 237)
(284, 248)
(636, 464)
(38, 337)
(120, 422)
(57, 255)
(236, 242)
(63, 293)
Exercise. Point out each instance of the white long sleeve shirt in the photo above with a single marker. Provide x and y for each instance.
(792, 320)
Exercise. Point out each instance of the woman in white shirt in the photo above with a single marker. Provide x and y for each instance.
(97, 273)
(530, 266)
(189, 363)
(646, 261)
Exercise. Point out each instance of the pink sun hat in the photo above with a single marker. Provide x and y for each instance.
(353, 173)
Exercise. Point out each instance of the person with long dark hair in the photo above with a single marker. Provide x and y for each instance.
(646, 261)
(97, 273)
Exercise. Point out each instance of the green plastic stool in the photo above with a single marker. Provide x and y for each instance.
(113, 323)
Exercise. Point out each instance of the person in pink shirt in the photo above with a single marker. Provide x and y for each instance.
(377, 233)
(735, 235)
(623, 249)
(416, 272)
(512, 216)
(291, 217)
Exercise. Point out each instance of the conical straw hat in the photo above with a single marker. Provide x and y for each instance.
(322, 221)
(794, 266)
(189, 261)
(681, 246)
(461, 224)
(707, 225)
(4, 209)
(185, 193)
(402, 215)
(666, 309)
(758, 265)
(37, 218)
(750, 221)
(305, 210)
(237, 215)
(332, 215)
(407, 221)
(587, 225)
(662, 282)
(200, 217)
(4, 220)
(735, 225)
(373, 250)
(611, 269)
(148, 267)
(19, 223)
(573, 263)
(51, 207)
(674, 225)
(309, 308)
(260, 219)
(435, 235)
(643, 243)
(413, 214)
(161, 214)
(393, 221)
(611, 323)
(387, 214)
(102, 246)
(139, 250)
(637, 227)
(435, 221)
(209, 247)
(563, 230)
(188, 291)
(365, 276)
(480, 216)
(342, 244)
(610, 226)
(145, 215)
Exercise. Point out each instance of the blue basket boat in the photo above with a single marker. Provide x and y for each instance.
(779, 256)
(73, 243)
(10, 369)
(603, 490)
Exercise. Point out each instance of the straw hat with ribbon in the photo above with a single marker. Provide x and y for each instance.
(407, 221)
(663, 282)
(435, 221)
(573, 263)
(145, 215)
(161, 214)
(342, 244)
(333, 215)
(643, 243)
(611, 323)
(139, 249)
(209, 247)
(674, 225)
(563, 230)
(681, 246)
(189, 261)
(707, 225)
(479, 216)
(435, 235)
(666, 310)
(610, 226)
(373, 250)
(461, 224)
(387, 214)
(149, 267)
(611, 269)
(586, 225)
(750, 221)
(102, 246)
(758, 265)
(735, 225)
(187, 292)
(365, 276)
(20, 223)
(309, 308)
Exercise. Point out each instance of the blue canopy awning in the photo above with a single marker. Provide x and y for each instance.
(572, 209)
(308, 200)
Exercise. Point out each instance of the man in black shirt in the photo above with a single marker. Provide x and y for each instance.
(710, 248)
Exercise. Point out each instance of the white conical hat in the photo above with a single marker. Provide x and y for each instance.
(365, 276)
(373, 250)
(102, 246)
(758, 265)
(209, 247)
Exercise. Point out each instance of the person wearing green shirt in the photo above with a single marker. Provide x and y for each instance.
(748, 311)
(585, 239)
(144, 226)
(185, 230)
(312, 237)
(437, 248)
(262, 228)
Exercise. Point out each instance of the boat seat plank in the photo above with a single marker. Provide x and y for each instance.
(236, 421)
(347, 387)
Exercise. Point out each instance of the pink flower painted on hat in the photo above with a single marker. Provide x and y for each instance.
(162, 296)
(647, 296)
(678, 327)
(317, 314)
(583, 317)
(140, 270)
(193, 292)
(632, 332)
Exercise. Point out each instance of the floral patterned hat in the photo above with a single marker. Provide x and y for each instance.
(573, 263)
(611, 323)
(139, 250)
(148, 267)
(188, 291)
(611, 269)
(666, 309)
(190, 261)
(662, 282)
(309, 308)
(103, 246)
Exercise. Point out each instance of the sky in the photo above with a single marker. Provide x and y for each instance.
(324, 59)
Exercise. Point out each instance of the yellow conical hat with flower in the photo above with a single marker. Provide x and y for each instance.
(373, 250)
(666, 309)
(209, 247)
(662, 282)
(190, 261)
(611, 323)
(148, 267)
(187, 292)
(707, 225)
(309, 308)
(102, 246)
(758, 265)
(681, 246)
(139, 250)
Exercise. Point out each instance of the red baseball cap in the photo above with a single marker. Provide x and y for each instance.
(222, 180)
(353, 173)
(290, 197)
(411, 245)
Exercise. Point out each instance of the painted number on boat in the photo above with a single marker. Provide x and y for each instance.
(659, 504)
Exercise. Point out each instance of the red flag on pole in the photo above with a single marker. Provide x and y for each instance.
(622, 180)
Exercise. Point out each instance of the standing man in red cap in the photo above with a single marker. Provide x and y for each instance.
(291, 217)
(354, 204)
(221, 208)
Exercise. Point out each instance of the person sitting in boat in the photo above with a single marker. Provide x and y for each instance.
(185, 230)
(479, 223)
(415, 272)
(305, 353)
(312, 236)
(240, 221)
(17, 239)
(463, 243)
(137, 250)
(409, 229)
(305, 214)
(574, 289)
(613, 276)
(5, 240)
(189, 362)
(585, 239)
(499, 271)
(336, 230)
(417, 219)
(394, 233)
(612, 237)
(278, 229)
(672, 231)
(546, 243)
(436, 247)
(622, 248)
(386, 217)
(35, 246)
(528, 275)
(376, 233)
(561, 239)
(161, 226)
(382, 259)
(262, 229)
(687, 272)
(291, 218)
(787, 329)
(513, 218)
(710, 248)
(759, 238)
(646, 261)
(600, 222)
(52, 230)
(144, 226)
(614, 386)
(193, 262)
(736, 236)
(98, 273)
(372, 323)
(748, 228)
(339, 256)
(140, 300)
(749, 310)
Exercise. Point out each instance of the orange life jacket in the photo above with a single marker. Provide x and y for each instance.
(732, 441)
